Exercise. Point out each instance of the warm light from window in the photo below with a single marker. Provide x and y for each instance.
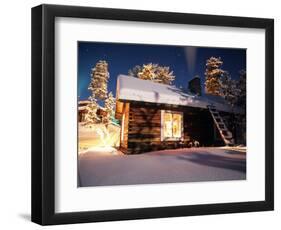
(172, 125)
(177, 125)
(168, 125)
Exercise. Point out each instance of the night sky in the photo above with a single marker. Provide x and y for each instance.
(186, 62)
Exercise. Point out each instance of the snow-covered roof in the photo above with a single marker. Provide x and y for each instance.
(83, 102)
(81, 108)
(134, 89)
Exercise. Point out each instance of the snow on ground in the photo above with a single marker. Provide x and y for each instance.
(107, 150)
(166, 166)
(98, 136)
(239, 148)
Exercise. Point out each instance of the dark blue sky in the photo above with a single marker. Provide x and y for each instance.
(184, 61)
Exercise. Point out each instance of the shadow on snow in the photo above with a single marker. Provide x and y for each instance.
(215, 161)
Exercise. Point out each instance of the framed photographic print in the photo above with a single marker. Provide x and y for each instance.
(142, 114)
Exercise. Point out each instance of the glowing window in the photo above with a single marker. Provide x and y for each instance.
(172, 125)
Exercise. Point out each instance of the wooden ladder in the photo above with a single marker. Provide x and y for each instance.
(223, 130)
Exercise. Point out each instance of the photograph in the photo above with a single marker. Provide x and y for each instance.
(149, 114)
(140, 114)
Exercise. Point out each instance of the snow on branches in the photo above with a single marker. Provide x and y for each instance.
(98, 88)
(164, 75)
(109, 105)
(213, 75)
(148, 72)
(91, 112)
(134, 71)
(99, 79)
(153, 72)
(228, 89)
(241, 85)
(233, 91)
(218, 82)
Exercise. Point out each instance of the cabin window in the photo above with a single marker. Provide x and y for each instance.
(172, 125)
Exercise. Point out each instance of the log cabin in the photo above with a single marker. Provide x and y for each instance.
(156, 116)
(82, 110)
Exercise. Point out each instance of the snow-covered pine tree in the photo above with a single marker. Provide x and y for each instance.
(98, 88)
(153, 72)
(241, 85)
(109, 105)
(164, 75)
(148, 72)
(99, 79)
(228, 89)
(241, 102)
(213, 74)
(135, 70)
(91, 112)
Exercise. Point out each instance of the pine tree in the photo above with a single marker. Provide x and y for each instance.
(134, 72)
(228, 89)
(109, 105)
(164, 75)
(148, 72)
(98, 88)
(213, 74)
(241, 85)
(153, 72)
(241, 102)
(91, 112)
(99, 80)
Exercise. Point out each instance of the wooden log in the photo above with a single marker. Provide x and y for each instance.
(148, 122)
(144, 124)
(141, 120)
(147, 134)
(144, 109)
(140, 140)
(143, 136)
(134, 130)
(145, 118)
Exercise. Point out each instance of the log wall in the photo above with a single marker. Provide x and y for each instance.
(125, 124)
(144, 128)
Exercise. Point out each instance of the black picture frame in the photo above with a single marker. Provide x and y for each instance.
(43, 110)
